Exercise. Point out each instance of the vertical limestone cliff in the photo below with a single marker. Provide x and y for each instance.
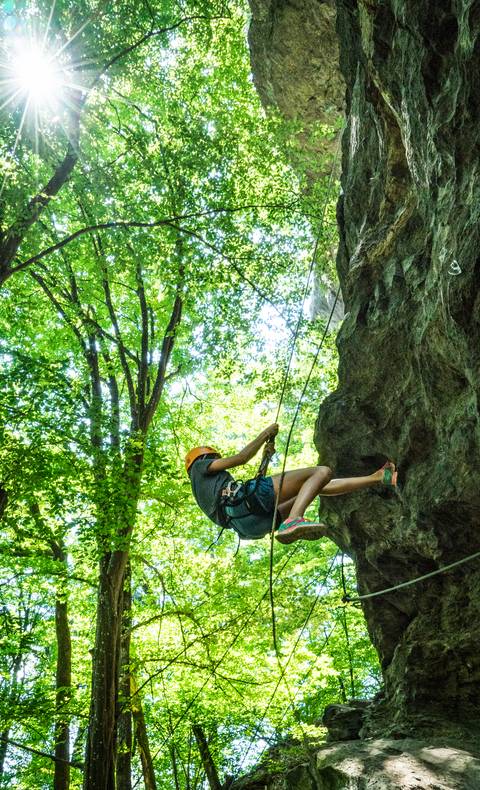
(410, 348)
(409, 377)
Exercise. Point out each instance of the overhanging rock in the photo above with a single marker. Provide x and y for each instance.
(409, 374)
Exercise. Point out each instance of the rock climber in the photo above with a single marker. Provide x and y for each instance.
(249, 507)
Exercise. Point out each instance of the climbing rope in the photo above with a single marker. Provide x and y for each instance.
(222, 658)
(285, 379)
(349, 599)
(290, 656)
(268, 453)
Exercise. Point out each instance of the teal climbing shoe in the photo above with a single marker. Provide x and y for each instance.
(293, 529)
(390, 475)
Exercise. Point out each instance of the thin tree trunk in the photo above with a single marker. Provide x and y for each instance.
(206, 757)
(3, 750)
(78, 750)
(3, 500)
(4, 736)
(124, 722)
(174, 767)
(141, 736)
(61, 779)
(63, 673)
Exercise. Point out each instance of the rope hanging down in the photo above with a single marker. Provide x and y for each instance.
(287, 372)
(271, 451)
(292, 652)
(268, 453)
(348, 599)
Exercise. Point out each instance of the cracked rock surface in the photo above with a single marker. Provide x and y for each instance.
(381, 764)
(410, 349)
(294, 56)
(409, 376)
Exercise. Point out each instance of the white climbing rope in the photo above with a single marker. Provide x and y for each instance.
(348, 599)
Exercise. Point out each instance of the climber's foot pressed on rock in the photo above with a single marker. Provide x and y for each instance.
(293, 529)
(388, 474)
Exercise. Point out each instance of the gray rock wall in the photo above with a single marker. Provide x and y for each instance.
(294, 56)
(409, 347)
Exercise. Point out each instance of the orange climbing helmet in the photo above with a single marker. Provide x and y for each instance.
(196, 452)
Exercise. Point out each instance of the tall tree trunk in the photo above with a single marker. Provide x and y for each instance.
(100, 752)
(141, 736)
(12, 700)
(206, 757)
(124, 723)
(61, 779)
(100, 755)
(174, 767)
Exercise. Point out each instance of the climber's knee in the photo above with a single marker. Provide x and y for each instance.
(326, 472)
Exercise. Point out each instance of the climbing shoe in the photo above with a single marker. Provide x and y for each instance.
(293, 529)
(389, 475)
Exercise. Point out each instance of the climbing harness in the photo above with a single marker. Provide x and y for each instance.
(235, 495)
(349, 599)
(238, 501)
(231, 489)
(229, 496)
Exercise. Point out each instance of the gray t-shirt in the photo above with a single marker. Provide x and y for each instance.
(207, 488)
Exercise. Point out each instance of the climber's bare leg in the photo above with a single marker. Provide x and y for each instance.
(301, 485)
(285, 508)
(294, 481)
(346, 485)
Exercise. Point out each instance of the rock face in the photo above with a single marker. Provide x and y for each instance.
(294, 55)
(344, 721)
(409, 347)
(409, 266)
(376, 765)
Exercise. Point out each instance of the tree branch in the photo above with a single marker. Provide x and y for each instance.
(143, 39)
(122, 350)
(114, 399)
(167, 348)
(143, 366)
(59, 307)
(40, 753)
(234, 265)
(16, 232)
(122, 224)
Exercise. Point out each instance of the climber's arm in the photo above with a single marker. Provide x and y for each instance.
(251, 449)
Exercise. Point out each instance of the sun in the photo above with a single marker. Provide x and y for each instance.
(36, 76)
(38, 86)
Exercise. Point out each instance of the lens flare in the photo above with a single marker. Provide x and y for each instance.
(36, 75)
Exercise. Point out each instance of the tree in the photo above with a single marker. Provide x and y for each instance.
(136, 317)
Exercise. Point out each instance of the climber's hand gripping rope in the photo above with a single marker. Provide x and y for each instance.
(267, 455)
